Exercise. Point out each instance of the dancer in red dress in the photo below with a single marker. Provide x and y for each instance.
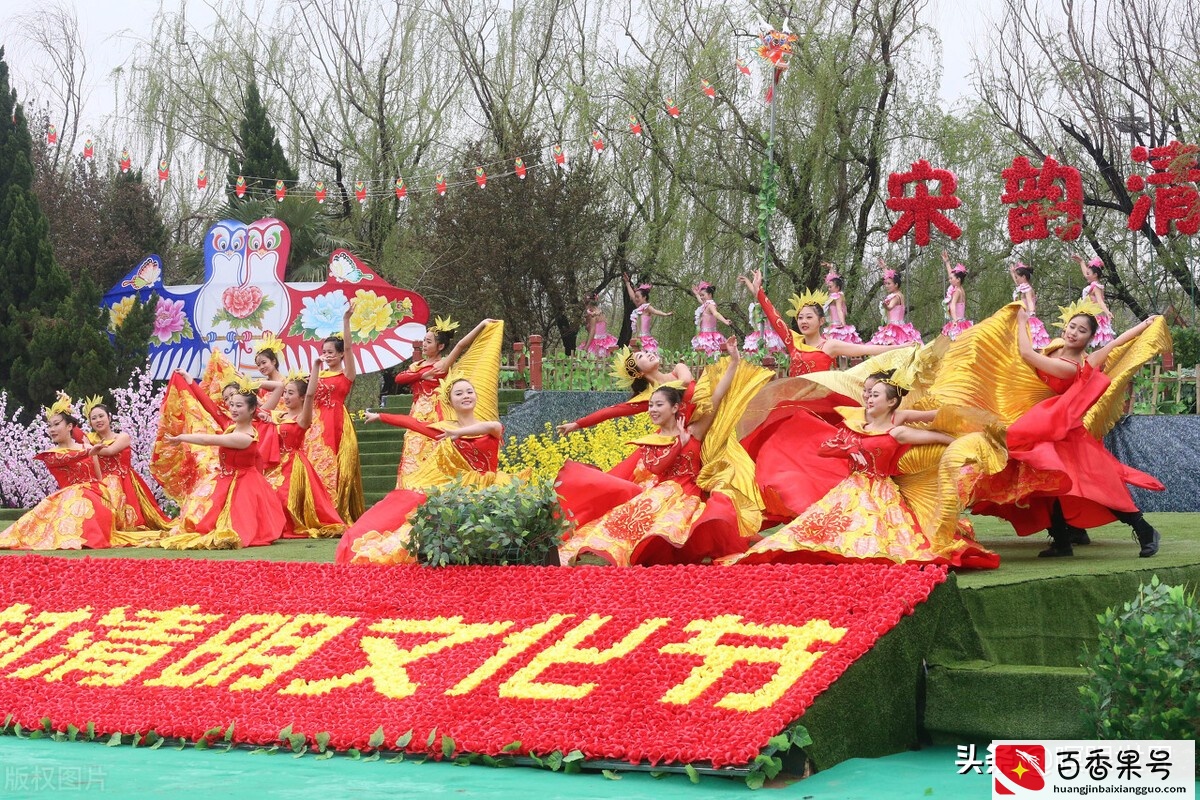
(114, 454)
(782, 443)
(311, 513)
(331, 442)
(85, 509)
(809, 350)
(687, 494)
(239, 508)
(266, 359)
(466, 449)
(865, 517)
(424, 376)
(1060, 477)
(642, 373)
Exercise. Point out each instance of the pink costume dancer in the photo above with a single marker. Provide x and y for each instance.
(894, 330)
(751, 343)
(643, 314)
(600, 342)
(1094, 291)
(955, 302)
(642, 320)
(836, 311)
(707, 340)
(1022, 275)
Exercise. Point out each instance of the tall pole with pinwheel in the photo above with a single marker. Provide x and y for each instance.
(775, 49)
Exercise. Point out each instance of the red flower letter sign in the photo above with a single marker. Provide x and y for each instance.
(922, 208)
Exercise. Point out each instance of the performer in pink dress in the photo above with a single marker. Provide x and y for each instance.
(894, 329)
(836, 310)
(600, 342)
(1093, 273)
(642, 317)
(707, 341)
(1023, 276)
(956, 299)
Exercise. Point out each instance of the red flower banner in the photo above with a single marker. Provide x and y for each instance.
(666, 664)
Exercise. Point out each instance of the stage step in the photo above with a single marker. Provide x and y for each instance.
(980, 701)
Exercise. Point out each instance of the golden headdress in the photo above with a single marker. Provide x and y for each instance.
(62, 405)
(269, 343)
(90, 403)
(444, 325)
(808, 298)
(296, 375)
(624, 367)
(900, 378)
(1088, 307)
(244, 384)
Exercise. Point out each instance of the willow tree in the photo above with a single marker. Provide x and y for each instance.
(1086, 82)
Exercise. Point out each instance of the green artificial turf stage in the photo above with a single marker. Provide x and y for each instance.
(1111, 551)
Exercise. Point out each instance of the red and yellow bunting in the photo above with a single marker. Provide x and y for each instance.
(660, 665)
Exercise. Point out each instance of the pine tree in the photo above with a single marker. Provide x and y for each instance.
(262, 162)
(131, 340)
(71, 350)
(31, 285)
(51, 337)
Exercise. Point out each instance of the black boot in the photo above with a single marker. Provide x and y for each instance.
(1146, 536)
(1078, 535)
(1060, 539)
(1058, 548)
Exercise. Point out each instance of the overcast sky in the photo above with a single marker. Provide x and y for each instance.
(110, 29)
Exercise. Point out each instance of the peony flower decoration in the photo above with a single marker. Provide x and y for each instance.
(321, 316)
(119, 311)
(170, 322)
(371, 316)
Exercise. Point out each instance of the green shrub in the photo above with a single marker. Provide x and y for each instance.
(1144, 677)
(1186, 346)
(514, 523)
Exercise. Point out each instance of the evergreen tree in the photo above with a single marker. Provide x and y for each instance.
(262, 162)
(131, 340)
(70, 350)
(31, 285)
(51, 337)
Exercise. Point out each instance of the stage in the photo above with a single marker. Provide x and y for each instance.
(987, 655)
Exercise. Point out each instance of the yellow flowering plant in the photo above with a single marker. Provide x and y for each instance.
(603, 446)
